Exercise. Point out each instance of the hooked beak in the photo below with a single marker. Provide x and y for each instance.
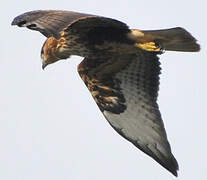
(44, 64)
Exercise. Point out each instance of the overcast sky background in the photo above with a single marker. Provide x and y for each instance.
(50, 127)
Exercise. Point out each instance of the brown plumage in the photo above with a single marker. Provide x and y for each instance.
(121, 70)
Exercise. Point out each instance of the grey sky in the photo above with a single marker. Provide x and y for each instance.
(50, 127)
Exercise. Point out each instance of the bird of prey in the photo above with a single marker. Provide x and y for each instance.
(120, 68)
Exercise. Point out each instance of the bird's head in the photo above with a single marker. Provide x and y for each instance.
(50, 52)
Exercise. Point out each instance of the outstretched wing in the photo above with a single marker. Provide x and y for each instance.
(52, 22)
(48, 22)
(125, 88)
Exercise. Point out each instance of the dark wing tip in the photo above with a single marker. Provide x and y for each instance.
(25, 18)
(172, 166)
(47, 22)
(22, 19)
(19, 21)
(169, 163)
(32, 20)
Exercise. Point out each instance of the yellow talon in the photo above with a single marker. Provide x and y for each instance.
(148, 46)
